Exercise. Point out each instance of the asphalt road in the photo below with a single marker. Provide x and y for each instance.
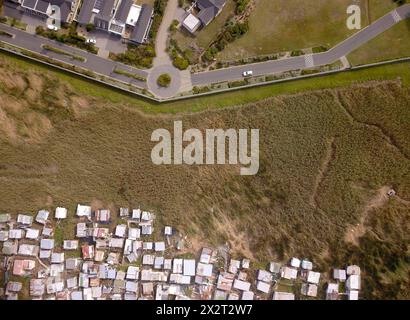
(304, 62)
(92, 62)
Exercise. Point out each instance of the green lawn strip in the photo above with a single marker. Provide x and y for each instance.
(12, 22)
(63, 52)
(386, 72)
(130, 75)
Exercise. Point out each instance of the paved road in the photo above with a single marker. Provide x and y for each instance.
(308, 61)
(93, 62)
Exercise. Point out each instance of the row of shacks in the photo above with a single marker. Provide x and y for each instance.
(122, 261)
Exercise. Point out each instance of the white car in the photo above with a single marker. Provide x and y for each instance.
(52, 27)
(248, 73)
(91, 41)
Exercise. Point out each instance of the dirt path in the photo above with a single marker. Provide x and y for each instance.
(162, 57)
(378, 201)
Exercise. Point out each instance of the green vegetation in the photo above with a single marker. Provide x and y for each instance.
(140, 56)
(70, 38)
(4, 33)
(130, 75)
(159, 8)
(281, 26)
(241, 5)
(63, 52)
(164, 80)
(13, 22)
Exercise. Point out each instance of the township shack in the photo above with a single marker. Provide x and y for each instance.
(103, 215)
(47, 244)
(5, 217)
(283, 296)
(83, 211)
(25, 219)
(189, 267)
(124, 212)
(42, 216)
(61, 213)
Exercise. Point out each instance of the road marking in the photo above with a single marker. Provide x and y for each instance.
(309, 61)
(396, 16)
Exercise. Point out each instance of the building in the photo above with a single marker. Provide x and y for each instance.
(283, 296)
(61, 213)
(103, 215)
(121, 17)
(208, 11)
(50, 8)
(83, 211)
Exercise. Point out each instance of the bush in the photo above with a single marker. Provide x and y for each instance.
(164, 80)
(181, 63)
(90, 27)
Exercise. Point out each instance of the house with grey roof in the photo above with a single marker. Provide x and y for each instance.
(119, 17)
(208, 11)
(48, 8)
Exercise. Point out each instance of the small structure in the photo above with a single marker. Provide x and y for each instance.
(15, 233)
(32, 233)
(124, 212)
(83, 211)
(47, 244)
(264, 276)
(134, 233)
(263, 287)
(313, 277)
(136, 214)
(241, 285)
(57, 257)
(191, 23)
(247, 295)
(160, 246)
(25, 219)
(87, 251)
(120, 230)
(168, 231)
(309, 289)
(307, 265)
(42, 216)
(81, 230)
(332, 291)
(283, 296)
(189, 267)
(353, 269)
(289, 273)
(103, 215)
(353, 282)
(295, 262)
(339, 274)
(61, 213)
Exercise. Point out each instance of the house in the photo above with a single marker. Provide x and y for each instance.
(206, 255)
(5, 217)
(179, 279)
(264, 276)
(116, 243)
(28, 250)
(42, 216)
(132, 273)
(339, 274)
(313, 277)
(353, 295)
(177, 266)
(4, 235)
(160, 246)
(47, 232)
(263, 287)
(136, 214)
(15, 233)
(25, 219)
(22, 267)
(134, 233)
(204, 269)
(332, 291)
(113, 258)
(61, 213)
(124, 212)
(209, 10)
(37, 287)
(83, 211)
(353, 282)
(81, 230)
(247, 295)
(45, 254)
(289, 273)
(72, 263)
(158, 262)
(32, 233)
(220, 295)
(103, 215)
(99, 255)
(148, 259)
(353, 270)
(241, 285)
(295, 262)
(120, 17)
(147, 245)
(146, 229)
(234, 266)
(57, 257)
(87, 251)
(10, 248)
(275, 267)
(70, 244)
(168, 231)
(100, 233)
(120, 230)
(47, 244)
(47, 8)
(307, 265)
(309, 289)
(283, 296)
(225, 281)
(189, 267)
(191, 23)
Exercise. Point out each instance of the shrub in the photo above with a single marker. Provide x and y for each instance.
(164, 80)
(90, 27)
(181, 63)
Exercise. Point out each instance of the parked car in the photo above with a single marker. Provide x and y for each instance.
(52, 27)
(93, 41)
(248, 73)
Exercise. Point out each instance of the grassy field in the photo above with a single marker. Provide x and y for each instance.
(325, 155)
(281, 25)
